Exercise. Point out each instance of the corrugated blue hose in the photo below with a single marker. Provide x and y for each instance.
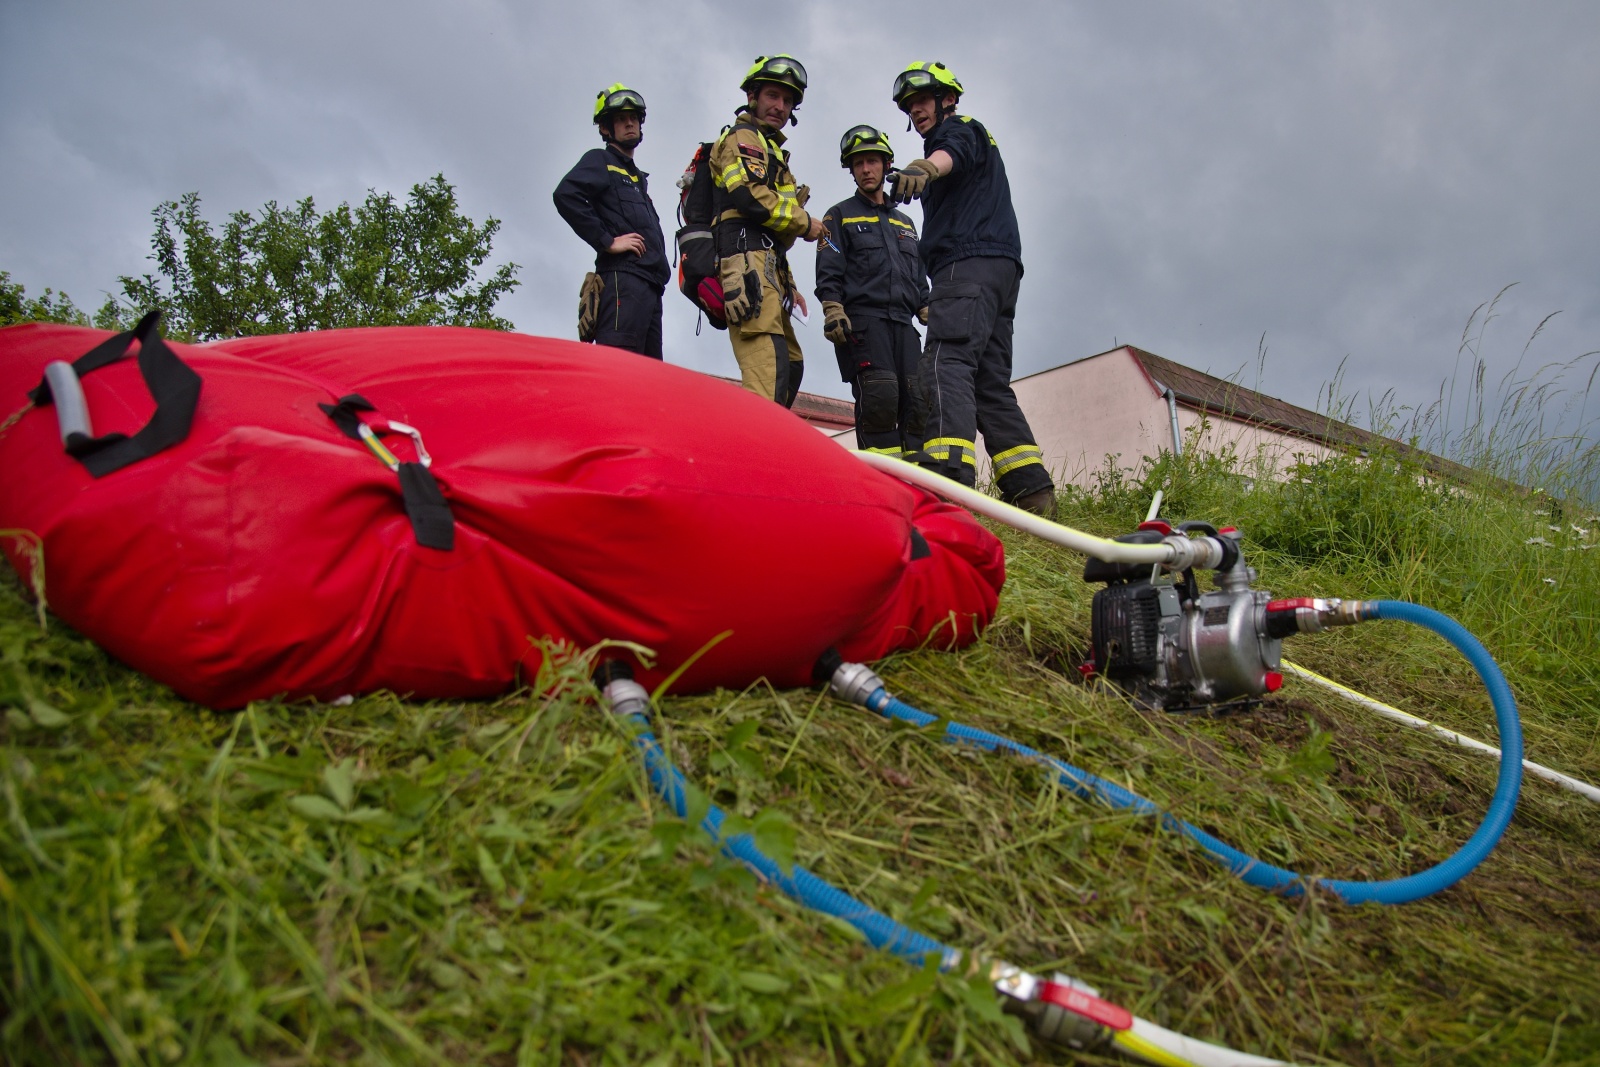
(815, 893)
(1258, 872)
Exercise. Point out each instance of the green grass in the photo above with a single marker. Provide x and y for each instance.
(409, 882)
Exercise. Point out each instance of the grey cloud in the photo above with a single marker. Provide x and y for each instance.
(1349, 179)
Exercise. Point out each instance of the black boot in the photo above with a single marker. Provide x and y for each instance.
(1041, 502)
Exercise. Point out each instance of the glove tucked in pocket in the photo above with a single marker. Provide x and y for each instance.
(741, 291)
(589, 306)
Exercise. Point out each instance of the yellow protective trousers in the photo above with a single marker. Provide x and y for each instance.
(770, 361)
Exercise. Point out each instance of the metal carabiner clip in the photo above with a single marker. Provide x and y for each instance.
(416, 439)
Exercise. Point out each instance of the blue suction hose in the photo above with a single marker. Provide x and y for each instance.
(1258, 872)
(629, 701)
(1064, 1010)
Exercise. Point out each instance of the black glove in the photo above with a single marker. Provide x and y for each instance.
(835, 323)
(589, 306)
(911, 180)
(741, 292)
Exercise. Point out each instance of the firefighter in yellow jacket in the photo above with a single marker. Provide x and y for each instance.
(760, 214)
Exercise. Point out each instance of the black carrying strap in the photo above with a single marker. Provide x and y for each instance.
(173, 385)
(432, 523)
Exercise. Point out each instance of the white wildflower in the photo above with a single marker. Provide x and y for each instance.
(1549, 581)
(1553, 529)
(1579, 530)
(1538, 541)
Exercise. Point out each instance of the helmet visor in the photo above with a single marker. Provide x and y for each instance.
(784, 68)
(910, 82)
(860, 139)
(622, 100)
(924, 77)
(857, 136)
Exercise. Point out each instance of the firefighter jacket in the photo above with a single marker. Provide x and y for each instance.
(876, 272)
(968, 212)
(605, 196)
(755, 195)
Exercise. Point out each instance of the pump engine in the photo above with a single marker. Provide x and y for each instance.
(1157, 636)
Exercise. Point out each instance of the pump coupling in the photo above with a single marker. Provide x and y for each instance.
(1204, 553)
(1312, 615)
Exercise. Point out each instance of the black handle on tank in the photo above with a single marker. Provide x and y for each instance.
(173, 385)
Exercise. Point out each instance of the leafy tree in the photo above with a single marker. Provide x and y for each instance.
(50, 307)
(381, 263)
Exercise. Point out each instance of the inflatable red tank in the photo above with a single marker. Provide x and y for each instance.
(414, 508)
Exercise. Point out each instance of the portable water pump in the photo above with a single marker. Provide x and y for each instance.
(1157, 636)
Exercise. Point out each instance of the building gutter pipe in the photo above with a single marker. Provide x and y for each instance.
(1172, 415)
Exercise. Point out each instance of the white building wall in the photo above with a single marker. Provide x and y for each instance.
(1106, 405)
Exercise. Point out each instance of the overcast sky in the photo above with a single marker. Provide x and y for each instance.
(1349, 179)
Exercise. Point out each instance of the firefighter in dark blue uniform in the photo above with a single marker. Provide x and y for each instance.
(973, 253)
(871, 284)
(606, 201)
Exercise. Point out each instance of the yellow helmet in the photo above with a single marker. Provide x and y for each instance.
(617, 97)
(782, 70)
(919, 77)
(859, 139)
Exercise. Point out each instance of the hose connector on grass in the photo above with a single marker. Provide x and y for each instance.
(625, 697)
(1063, 1011)
(857, 683)
(854, 683)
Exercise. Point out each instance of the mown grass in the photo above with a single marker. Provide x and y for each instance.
(407, 882)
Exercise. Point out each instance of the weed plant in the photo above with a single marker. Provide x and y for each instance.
(399, 881)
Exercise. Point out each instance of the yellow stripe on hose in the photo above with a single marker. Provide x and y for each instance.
(1134, 1045)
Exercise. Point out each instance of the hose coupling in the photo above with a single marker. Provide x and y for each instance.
(1206, 553)
(623, 695)
(1012, 981)
(1312, 615)
(855, 682)
(1061, 1011)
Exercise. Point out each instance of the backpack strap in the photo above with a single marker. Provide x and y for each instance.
(173, 384)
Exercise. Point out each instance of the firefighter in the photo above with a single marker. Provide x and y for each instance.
(606, 201)
(760, 213)
(973, 254)
(871, 283)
